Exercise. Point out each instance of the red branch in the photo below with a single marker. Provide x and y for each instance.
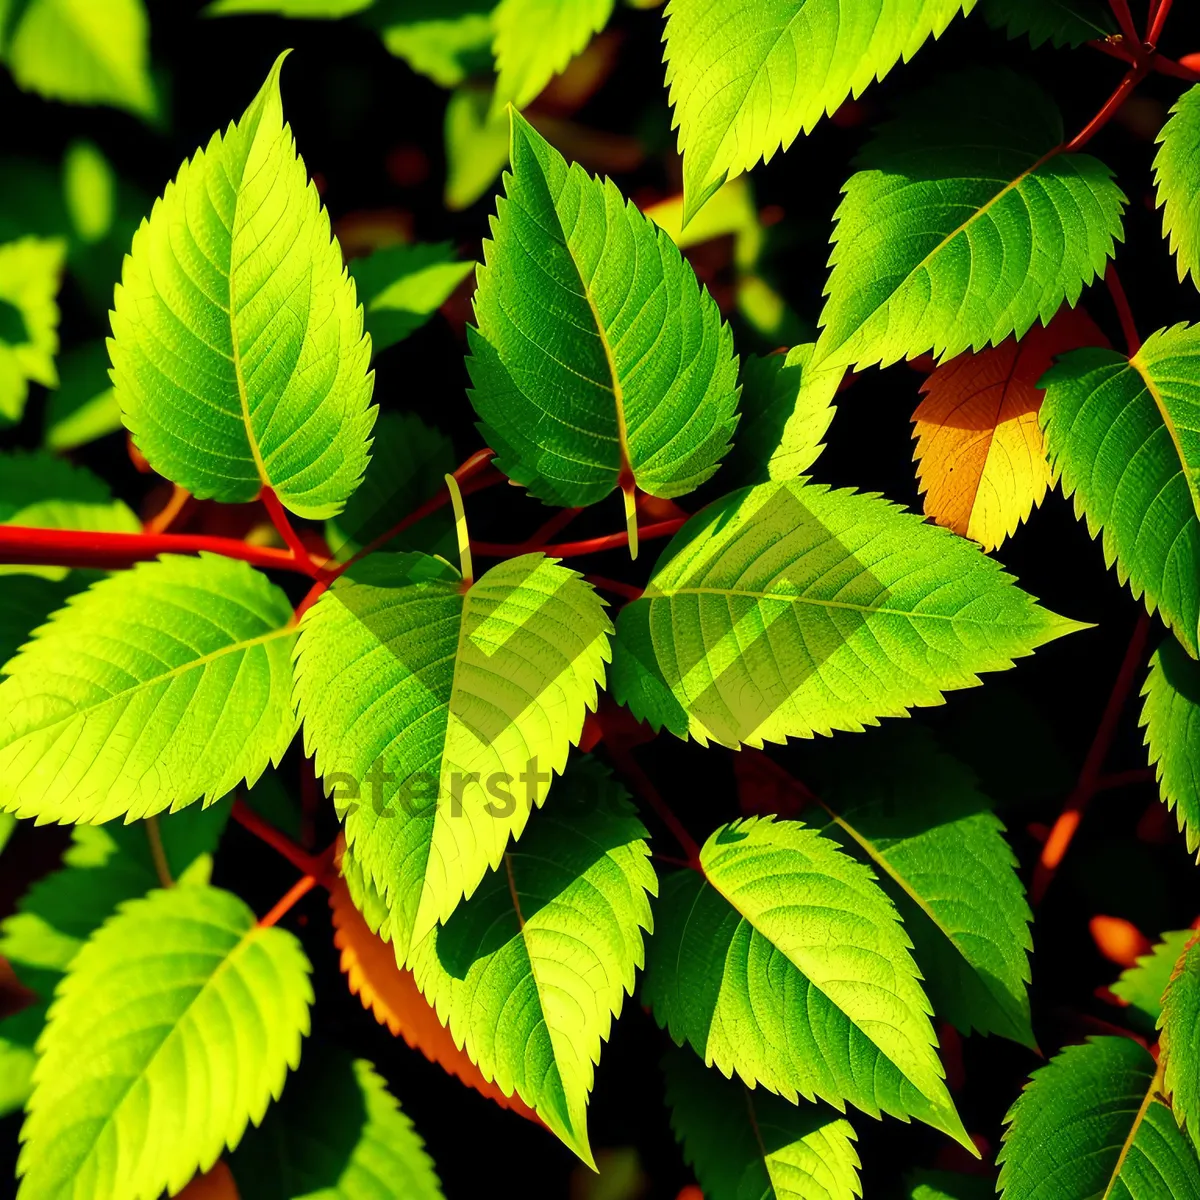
(1133, 77)
(24, 545)
(1158, 18)
(624, 761)
(1124, 17)
(295, 893)
(612, 541)
(1133, 343)
(1059, 840)
(311, 864)
(279, 519)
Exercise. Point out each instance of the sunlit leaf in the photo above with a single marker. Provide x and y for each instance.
(476, 147)
(30, 271)
(90, 187)
(1176, 169)
(1171, 716)
(446, 40)
(314, 9)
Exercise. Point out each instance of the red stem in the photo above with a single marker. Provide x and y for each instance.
(23, 545)
(1124, 17)
(556, 524)
(310, 864)
(1115, 49)
(1133, 343)
(296, 892)
(612, 541)
(624, 761)
(177, 504)
(279, 519)
(1158, 19)
(1064, 829)
(1132, 78)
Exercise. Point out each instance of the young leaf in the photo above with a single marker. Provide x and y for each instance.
(1171, 716)
(401, 287)
(745, 79)
(409, 464)
(30, 270)
(532, 1017)
(445, 40)
(235, 271)
(84, 52)
(743, 1142)
(337, 1134)
(426, 703)
(390, 992)
(965, 224)
(154, 688)
(787, 609)
(1094, 1122)
(980, 449)
(476, 145)
(1180, 1046)
(1141, 986)
(536, 39)
(787, 405)
(599, 362)
(1059, 22)
(1175, 173)
(84, 407)
(1124, 434)
(182, 977)
(782, 960)
(917, 818)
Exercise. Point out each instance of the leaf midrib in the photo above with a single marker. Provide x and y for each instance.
(1131, 1136)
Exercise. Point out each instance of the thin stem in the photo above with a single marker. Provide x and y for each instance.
(1064, 829)
(460, 530)
(295, 893)
(310, 864)
(1115, 49)
(1124, 17)
(555, 525)
(24, 545)
(1132, 78)
(279, 519)
(624, 761)
(615, 586)
(612, 541)
(1120, 779)
(180, 499)
(1168, 66)
(157, 853)
(1133, 343)
(1157, 20)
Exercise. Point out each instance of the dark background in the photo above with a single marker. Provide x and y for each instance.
(371, 130)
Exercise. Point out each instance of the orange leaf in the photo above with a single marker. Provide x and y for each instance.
(217, 1184)
(393, 996)
(980, 452)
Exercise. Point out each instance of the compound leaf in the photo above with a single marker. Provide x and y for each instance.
(599, 361)
(336, 1134)
(1180, 1041)
(980, 449)
(787, 609)
(1141, 986)
(917, 818)
(782, 960)
(430, 703)
(1124, 434)
(389, 992)
(530, 1014)
(1094, 1123)
(174, 1027)
(746, 77)
(964, 225)
(1176, 172)
(84, 52)
(1060, 22)
(536, 39)
(787, 405)
(235, 327)
(743, 1142)
(30, 272)
(152, 689)
(1171, 716)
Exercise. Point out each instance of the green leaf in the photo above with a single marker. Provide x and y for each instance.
(17, 1057)
(1180, 1042)
(945, 1185)
(85, 406)
(445, 40)
(782, 960)
(425, 705)
(266, 381)
(787, 609)
(745, 78)
(336, 1134)
(313, 9)
(531, 1012)
(401, 287)
(1142, 986)
(45, 492)
(175, 1027)
(1176, 173)
(748, 1143)
(409, 464)
(962, 228)
(476, 147)
(599, 360)
(84, 52)
(30, 271)
(536, 39)
(28, 602)
(1124, 434)
(787, 406)
(917, 818)
(90, 190)
(1060, 22)
(731, 211)
(1171, 716)
(1094, 1123)
(154, 688)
